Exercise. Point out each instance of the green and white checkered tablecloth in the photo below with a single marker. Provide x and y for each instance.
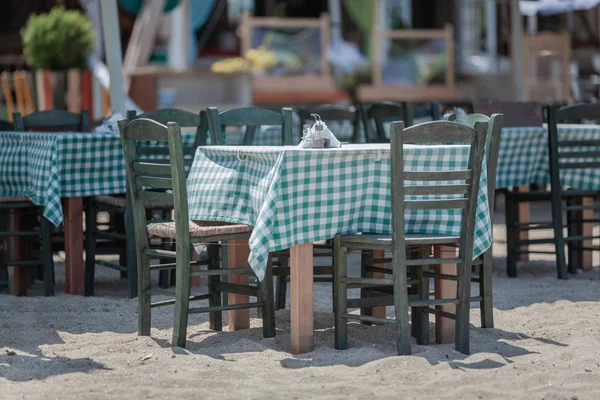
(523, 157)
(48, 166)
(293, 196)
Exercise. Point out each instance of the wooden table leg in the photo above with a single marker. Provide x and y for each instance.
(523, 216)
(17, 251)
(237, 257)
(379, 312)
(444, 289)
(585, 257)
(301, 298)
(73, 222)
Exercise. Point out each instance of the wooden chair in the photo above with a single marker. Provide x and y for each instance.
(462, 196)
(113, 238)
(378, 114)
(143, 175)
(53, 121)
(565, 157)
(334, 114)
(28, 215)
(484, 262)
(420, 111)
(252, 118)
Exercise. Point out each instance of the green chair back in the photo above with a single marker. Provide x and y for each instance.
(252, 118)
(6, 126)
(380, 113)
(53, 121)
(332, 113)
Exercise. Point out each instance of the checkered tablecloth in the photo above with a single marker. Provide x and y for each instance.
(48, 166)
(523, 157)
(293, 196)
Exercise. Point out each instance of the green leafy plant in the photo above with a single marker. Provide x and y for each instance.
(58, 40)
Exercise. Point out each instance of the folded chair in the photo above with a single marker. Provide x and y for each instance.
(438, 194)
(149, 180)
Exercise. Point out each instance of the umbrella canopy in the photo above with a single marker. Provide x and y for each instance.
(551, 7)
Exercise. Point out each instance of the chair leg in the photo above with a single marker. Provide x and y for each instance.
(340, 292)
(132, 264)
(265, 290)
(403, 333)
(281, 286)
(485, 291)
(366, 260)
(48, 266)
(463, 307)
(422, 322)
(90, 246)
(511, 236)
(215, 317)
(182, 297)
(559, 241)
(573, 246)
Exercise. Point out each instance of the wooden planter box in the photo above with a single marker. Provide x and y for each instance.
(64, 90)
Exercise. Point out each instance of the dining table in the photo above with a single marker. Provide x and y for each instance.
(294, 197)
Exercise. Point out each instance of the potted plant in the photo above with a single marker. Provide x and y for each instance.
(56, 45)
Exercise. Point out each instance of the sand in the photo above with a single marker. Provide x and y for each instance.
(546, 345)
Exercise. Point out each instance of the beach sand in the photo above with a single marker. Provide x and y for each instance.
(545, 345)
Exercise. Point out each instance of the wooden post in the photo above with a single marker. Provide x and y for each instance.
(444, 289)
(301, 298)
(523, 216)
(237, 257)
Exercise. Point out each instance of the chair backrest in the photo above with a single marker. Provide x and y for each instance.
(430, 111)
(575, 152)
(252, 118)
(381, 113)
(6, 125)
(53, 121)
(153, 181)
(185, 119)
(333, 113)
(516, 114)
(492, 146)
(448, 189)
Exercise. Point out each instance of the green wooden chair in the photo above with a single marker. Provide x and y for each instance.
(252, 118)
(36, 231)
(52, 121)
(420, 111)
(334, 114)
(484, 262)
(378, 114)
(143, 176)
(565, 157)
(454, 196)
(112, 238)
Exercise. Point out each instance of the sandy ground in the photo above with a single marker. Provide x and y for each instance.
(546, 345)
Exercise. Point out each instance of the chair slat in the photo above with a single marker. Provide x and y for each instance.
(153, 182)
(444, 204)
(437, 189)
(146, 167)
(437, 175)
(155, 196)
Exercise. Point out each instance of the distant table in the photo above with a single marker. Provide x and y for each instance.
(56, 170)
(294, 197)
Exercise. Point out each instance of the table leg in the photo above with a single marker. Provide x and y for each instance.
(379, 312)
(523, 216)
(18, 251)
(237, 257)
(444, 289)
(585, 257)
(301, 298)
(73, 222)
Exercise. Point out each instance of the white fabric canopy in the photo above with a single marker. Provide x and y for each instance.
(551, 7)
